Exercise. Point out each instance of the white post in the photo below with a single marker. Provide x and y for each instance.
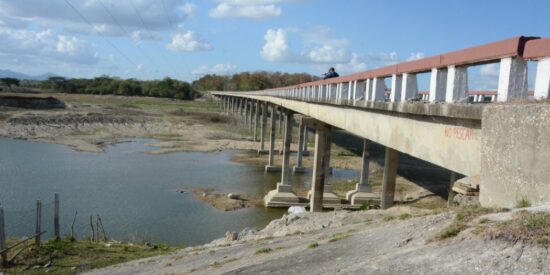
(378, 89)
(438, 85)
(350, 91)
(395, 88)
(409, 87)
(457, 84)
(542, 80)
(512, 79)
(368, 89)
(354, 90)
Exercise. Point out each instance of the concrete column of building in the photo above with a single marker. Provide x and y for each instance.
(263, 129)
(542, 79)
(438, 84)
(256, 119)
(409, 87)
(321, 165)
(512, 79)
(363, 191)
(270, 167)
(395, 95)
(298, 168)
(391, 162)
(378, 89)
(457, 84)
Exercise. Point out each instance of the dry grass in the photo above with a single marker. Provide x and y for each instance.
(464, 215)
(530, 228)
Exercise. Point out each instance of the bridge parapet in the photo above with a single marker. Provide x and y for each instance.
(448, 81)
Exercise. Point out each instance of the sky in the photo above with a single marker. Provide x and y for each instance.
(185, 39)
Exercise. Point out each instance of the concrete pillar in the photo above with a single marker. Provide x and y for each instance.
(451, 193)
(280, 122)
(304, 150)
(256, 119)
(512, 79)
(542, 80)
(438, 84)
(409, 87)
(251, 116)
(246, 110)
(391, 163)
(321, 164)
(378, 89)
(457, 84)
(395, 95)
(368, 89)
(270, 167)
(287, 140)
(298, 168)
(263, 129)
(363, 191)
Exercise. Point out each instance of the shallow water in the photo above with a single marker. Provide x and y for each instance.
(133, 192)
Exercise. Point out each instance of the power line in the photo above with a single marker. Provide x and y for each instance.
(100, 34)
(128, 34)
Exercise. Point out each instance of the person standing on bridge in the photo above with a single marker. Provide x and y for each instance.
(330, 74)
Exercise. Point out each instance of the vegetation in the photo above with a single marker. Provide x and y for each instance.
(524, 226)
(250, 81)
(263, 251)
(313, 245)
(464, 215)
(339, 237)
(10, 82)
(64, 256)
(524, 202)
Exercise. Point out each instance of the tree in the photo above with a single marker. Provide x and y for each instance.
(9, 81)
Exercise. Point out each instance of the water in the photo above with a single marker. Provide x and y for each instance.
(133, 192)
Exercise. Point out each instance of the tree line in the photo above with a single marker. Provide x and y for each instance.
(167, 87)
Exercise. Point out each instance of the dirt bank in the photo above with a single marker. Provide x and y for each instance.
(224, 201)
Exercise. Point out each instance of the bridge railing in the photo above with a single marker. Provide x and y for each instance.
(448, 77)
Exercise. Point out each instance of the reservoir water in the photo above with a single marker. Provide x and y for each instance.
(134, 193)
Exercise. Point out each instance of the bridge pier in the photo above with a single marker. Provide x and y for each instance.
(321, 192)
(363, 190)
(391, 162)
(305, 152)
(298, 168)
(251, 116)
(256, 119)
(283, 195)
(270, 167)
(263, 129)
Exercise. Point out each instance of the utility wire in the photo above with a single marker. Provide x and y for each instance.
(128, 34)
(100, 34)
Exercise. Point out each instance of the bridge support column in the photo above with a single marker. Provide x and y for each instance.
(512, 79)
(270, 167)
(438, 84)
(263, 129)
(283, 196)
(457, 84)
(245, 113)
(378, 89)
(363, 190)
(391, 162)
(256, 119)
(395, 95)
(409, 87)
(542, 80)
(298, 168)
(305, 152)
(321, 192)
(251, 116)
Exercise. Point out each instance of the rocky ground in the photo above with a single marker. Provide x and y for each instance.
(400, 240)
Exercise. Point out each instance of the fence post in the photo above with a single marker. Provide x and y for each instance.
(38, 222)
(4, 255)
(56, 215)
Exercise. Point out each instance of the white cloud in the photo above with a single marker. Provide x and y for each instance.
(139, 36)
(415, 56)
(328, 54)
(489, 70)
(188, 42)
(250, 9)
(216, 69)
(276, 46)
(46, 45)
(356, 64)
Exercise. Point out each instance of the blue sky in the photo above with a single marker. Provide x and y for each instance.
(185, 39)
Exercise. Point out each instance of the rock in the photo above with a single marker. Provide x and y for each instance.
(231, 236)
(48, 264)
(233, 196)
(296, 209)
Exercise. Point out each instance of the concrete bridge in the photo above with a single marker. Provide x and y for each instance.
(502, 149)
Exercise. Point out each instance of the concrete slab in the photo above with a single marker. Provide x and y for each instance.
(362, 197)
(269, 169)
(298, 170)
(282, 196)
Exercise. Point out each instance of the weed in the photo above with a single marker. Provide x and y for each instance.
(527, 227)
(313, 245)
(339, 237)
(524, 202)
(405, 216)
(388, 218)
(263, 251)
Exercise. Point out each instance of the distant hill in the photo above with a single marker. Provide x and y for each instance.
(9, 73)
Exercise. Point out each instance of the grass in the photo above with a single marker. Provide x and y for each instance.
(339, 237)
(405, 216)
(220, 264)
(524, 202)
(263, 251)
(68, 256)
(463, 216)
(388, 218)
(530, 228)
(313, 245)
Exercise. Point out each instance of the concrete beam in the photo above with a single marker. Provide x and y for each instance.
(457, 84)
(391, 162)
(542, 80)
(409, 87)
(395, 95)
(438, 84)
(512, 79)
(321, 164)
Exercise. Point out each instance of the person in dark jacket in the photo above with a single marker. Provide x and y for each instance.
(330, 74)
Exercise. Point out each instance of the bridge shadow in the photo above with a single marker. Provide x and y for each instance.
(426, 175)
